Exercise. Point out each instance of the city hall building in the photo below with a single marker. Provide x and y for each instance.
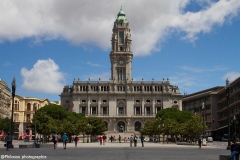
(123, 104)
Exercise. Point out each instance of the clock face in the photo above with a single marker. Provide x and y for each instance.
(121, 62)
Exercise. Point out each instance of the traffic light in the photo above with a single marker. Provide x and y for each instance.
(212, 120)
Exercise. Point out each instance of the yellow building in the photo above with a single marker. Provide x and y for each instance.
(24, 109)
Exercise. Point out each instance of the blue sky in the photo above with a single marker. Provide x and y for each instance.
(46, 44)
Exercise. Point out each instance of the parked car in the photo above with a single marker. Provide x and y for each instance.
(209, 139)
(225, 137)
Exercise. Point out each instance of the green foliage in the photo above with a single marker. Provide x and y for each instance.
(97, 125)
(173, 113)
(5, 124)
(52, 118)
(172, 122)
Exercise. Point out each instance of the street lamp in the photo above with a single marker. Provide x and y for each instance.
(203, 108)
(227, 96)
(13, 95)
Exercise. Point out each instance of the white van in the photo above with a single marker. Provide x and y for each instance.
(209, 139)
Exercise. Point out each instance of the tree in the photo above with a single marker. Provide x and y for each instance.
(97, 126)
(5, 125)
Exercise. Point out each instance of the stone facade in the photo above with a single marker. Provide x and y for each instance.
(5, 98)
(123, 104)
(24, 109)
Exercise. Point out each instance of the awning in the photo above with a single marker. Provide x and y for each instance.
(220, 128)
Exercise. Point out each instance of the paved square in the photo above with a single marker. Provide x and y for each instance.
(120, 151)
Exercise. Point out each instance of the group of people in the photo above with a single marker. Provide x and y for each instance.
(102, 139)
(55, 139)
(133, 139)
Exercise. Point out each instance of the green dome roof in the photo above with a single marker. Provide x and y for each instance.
(121, 16)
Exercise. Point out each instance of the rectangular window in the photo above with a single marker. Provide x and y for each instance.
(104, 110)
(148, 110)
(120, 110)
(137, 110)
(83, 110)
(121, 37)
(94, 110)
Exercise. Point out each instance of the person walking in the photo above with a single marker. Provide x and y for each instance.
(100, 139)
(135, 141)
(37, 143)
(64, 139)
(142, 140)
(119, 138)
(104, 139)
(76, 139)
(131, 140)
(55, 140)
(111, 138)
(199, 142)
(8, 140)
(235, 150)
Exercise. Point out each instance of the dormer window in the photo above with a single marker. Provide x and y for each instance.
(83, 101)
(104, 101)
(137, 101)
(158, 101)
(148, 101)
(94, 101)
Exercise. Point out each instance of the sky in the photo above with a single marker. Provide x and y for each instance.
(47, 44)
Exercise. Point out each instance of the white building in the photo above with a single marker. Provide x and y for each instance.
(123, 104)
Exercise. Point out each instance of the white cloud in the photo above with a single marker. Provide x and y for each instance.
(44, 77)
(93, 64)
(90, 21)
(7, 64)
(231, 76)
(204, 69)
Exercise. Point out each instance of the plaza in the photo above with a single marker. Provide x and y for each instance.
(123, 151)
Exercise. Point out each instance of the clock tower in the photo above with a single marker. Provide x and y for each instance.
(121, 55)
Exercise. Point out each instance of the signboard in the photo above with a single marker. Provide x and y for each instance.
(204, 142)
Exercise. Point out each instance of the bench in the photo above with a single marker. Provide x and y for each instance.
(225, 157)
(33, 146)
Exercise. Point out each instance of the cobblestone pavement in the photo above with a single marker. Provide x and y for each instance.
(117, 151)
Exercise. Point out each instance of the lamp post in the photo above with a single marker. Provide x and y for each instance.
(13, 95)
(203, 108)
(227, 96)
(35, 128)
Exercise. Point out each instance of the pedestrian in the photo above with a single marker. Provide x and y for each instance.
(111, 138)
(135, 141)
(235, 150)
(100, 139)
(142, 140)
(131, 140)
(119, 139)
(104, 139)
(64, 139)
(199, 142)
(37, 143)
(76, 139)
(8, 140)
(55, 140)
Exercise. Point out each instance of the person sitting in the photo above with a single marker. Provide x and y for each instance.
(235, 150)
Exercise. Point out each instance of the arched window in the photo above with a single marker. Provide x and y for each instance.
(137, 126)
(28, 107)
